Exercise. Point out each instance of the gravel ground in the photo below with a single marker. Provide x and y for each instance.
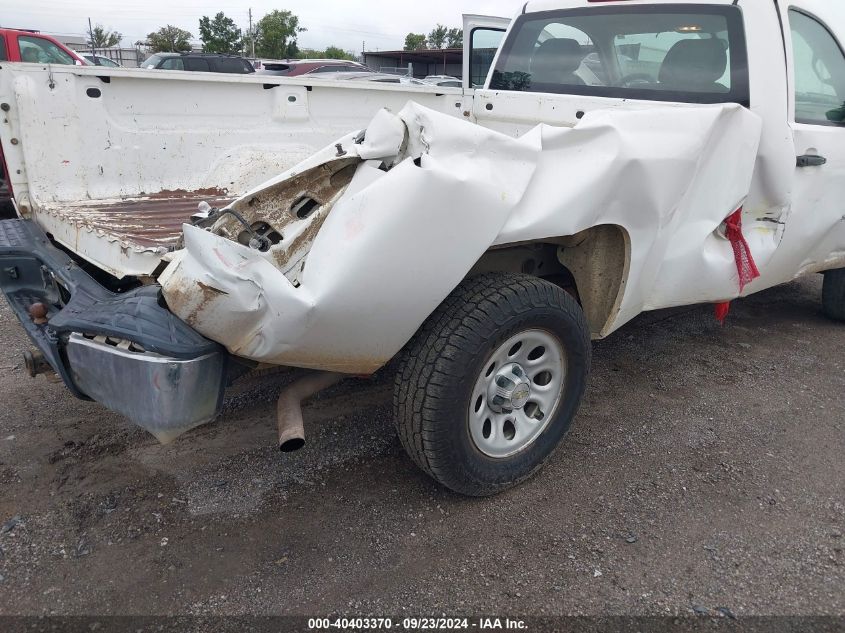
(704, 472)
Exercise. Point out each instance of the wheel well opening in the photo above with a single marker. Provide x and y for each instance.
(592, 266)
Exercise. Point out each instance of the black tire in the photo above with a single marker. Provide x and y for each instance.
(833, 294)
(438, 369)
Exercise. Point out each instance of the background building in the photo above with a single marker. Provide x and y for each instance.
(445, 61)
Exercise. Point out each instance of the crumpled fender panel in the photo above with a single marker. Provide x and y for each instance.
(431, 194)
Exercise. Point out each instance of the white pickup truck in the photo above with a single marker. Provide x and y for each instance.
(622, 156)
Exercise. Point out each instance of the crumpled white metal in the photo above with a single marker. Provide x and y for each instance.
(432, 194)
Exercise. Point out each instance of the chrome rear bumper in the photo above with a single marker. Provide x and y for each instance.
(165, 396)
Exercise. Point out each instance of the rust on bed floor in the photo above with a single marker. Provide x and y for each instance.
(147, 223)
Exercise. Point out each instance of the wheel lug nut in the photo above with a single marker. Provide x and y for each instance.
(505, 383)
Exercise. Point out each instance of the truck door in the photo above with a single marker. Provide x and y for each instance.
(483, 35)
(816, 228)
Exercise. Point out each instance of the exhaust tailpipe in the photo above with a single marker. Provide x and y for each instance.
(289, 408)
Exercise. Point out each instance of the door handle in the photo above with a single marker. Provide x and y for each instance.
(811, 160)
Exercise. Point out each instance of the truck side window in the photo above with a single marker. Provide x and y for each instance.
(41, 51)
(484, 42)
(679, 53)
(819, 72)
(3, 56)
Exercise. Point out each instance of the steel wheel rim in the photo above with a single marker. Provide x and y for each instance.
(503, 419)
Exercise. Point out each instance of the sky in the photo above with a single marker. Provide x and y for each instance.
(382, 24)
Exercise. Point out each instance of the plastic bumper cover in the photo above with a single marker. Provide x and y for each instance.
(126, 351)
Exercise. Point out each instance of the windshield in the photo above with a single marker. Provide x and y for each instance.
(152, 62)
(685, 53)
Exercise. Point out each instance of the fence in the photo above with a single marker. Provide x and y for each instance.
(129, 57)
(403, 71)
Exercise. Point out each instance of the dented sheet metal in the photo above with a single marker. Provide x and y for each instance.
(397, 219)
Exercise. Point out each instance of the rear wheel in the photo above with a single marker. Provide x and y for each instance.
(490, 384)
(833, 294)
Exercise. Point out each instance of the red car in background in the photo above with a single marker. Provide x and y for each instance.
(297, 67)
(34, 47)
(18, 45)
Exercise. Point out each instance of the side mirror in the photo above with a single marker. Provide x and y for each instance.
(836, 115)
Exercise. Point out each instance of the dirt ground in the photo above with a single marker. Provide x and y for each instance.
(705, 471)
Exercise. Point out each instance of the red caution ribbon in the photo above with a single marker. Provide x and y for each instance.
(745, 266)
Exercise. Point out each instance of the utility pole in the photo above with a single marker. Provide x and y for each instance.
(91, 37)
(251, 34)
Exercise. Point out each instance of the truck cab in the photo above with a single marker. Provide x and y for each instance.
(563, 59)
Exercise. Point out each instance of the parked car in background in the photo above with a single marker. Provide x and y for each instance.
(200, 62)
(389, 78)
(296, 67)
(382, 78)
(99, 60)
(18, 45)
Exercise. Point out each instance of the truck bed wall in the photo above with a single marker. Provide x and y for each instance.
(73, 134)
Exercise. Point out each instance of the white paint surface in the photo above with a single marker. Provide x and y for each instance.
(397, 243)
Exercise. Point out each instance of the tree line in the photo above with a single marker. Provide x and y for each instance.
(440, 37)
(274, 37)
(99, 37)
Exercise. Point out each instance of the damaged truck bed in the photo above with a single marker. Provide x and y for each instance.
(337, 263)
(621, 157)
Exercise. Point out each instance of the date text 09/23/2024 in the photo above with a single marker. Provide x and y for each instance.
(416, 624)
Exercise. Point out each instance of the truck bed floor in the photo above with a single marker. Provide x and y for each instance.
(125, 237)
